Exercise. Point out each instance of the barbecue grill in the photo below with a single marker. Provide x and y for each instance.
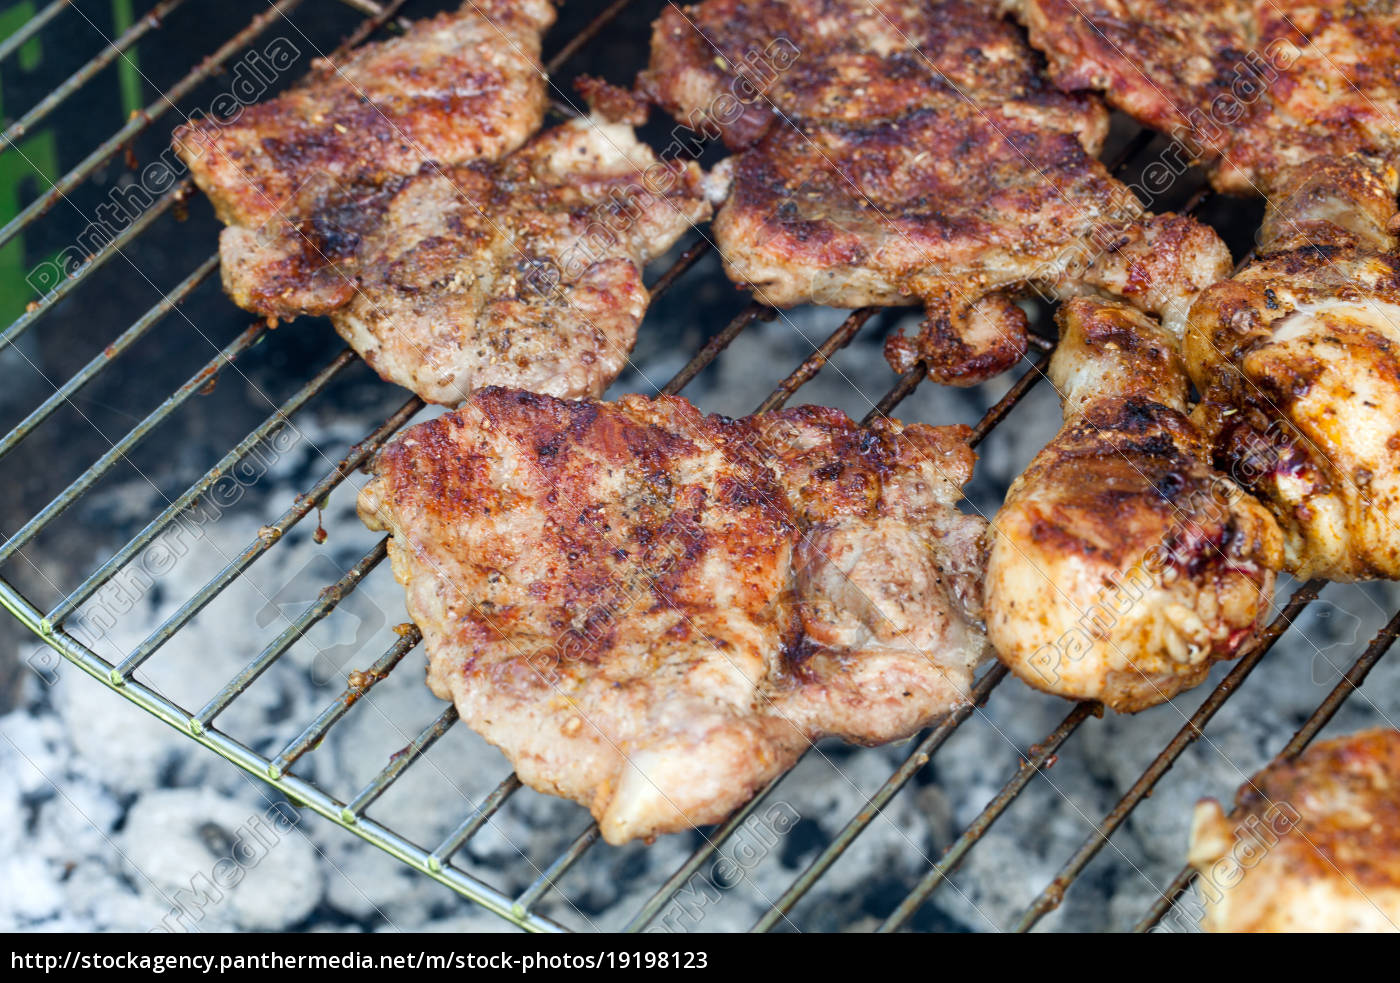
(352, 811)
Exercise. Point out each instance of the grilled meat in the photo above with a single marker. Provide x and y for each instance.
(734, 68)
(526, 272)
(291, 177)
(1249, 88)
(911, 150)
(1312, 846)
(1122, 567)
(654, 612)
(847, 217)
(1298, 361)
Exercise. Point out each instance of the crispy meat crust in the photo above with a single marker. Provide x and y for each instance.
(908, 151)
(1122, 566)
(1298, 361)
(653, 612)
(739, 66)
(1313, 844)
(456, 87)
(1251, 88)
(527, 272)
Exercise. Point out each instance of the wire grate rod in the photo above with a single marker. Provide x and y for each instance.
(359, 686)
(113, 50)
(1041, 756)
(92, 264)
(134, 437)
(107, 356)
(581, 40)
(448, 848)
(399, 763)
(549, 877)
(1349, 683)
(920, 756)
(692, 255)
(712, 348)
(269, 428)
(141, 120)
(808, 370)
(268, 536)
(32, 27)
(328, 601)
(1054, 893)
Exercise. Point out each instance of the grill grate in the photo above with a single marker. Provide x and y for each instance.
(437, 862)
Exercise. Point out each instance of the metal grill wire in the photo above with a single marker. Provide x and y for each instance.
(351, 813)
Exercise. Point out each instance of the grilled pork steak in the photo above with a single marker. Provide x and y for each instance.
(1249, 87)
(911, 150)
(527, 272)
(654, 612)
(292, 177)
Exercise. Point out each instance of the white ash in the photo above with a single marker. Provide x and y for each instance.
(264, 875)
(106, 812)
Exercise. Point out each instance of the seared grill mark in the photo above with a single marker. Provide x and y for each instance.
(1121, 565)
(454, 88)
(710, 594)
(914, 152)
(1250, 89)
(1298, 361)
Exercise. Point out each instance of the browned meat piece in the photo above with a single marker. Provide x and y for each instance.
(733, 68)
(1298, 361)
(296, 170)
(910, 149)
(1249, 88)
(1122, 567)
(613, 102)
(524, 273)
(961, 225)
(286, 269)
(1312, 846)
(653, 612)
